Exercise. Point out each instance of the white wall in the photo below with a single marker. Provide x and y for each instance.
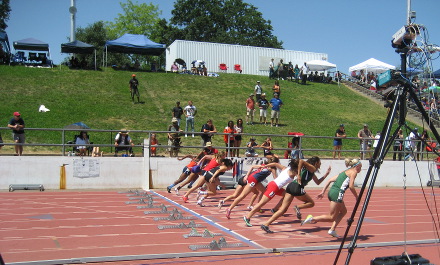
(253, 60)
(133, 172)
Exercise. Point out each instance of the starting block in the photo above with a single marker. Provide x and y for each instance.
(163, 210)
(141, 201)
(174, 216)
(13, 187)
(191, 224)
(214, 245)
(205, 233)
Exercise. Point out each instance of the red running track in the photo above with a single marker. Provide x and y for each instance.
(54, 227)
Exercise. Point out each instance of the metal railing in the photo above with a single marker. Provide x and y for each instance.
(53, 141)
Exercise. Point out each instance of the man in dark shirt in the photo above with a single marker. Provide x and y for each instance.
(17, 126)
(134, 83)
(177, 112)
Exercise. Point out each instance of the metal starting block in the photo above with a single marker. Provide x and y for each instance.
(214, 245)
(205, 233)
(191, 224)
(163, 210)
(151, 205)
(174, 216)
(141, 201)
(13, 187)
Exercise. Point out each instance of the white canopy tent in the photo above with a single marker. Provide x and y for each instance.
(318, 65)
(372, 65)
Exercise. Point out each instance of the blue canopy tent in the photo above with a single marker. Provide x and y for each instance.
(5, 51)
(78, 47)
(134, 44)
(31, 44)
(436, 74)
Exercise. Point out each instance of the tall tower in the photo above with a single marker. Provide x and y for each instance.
(72, 10)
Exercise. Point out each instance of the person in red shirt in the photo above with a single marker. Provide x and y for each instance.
(250, 109)
(229, 138)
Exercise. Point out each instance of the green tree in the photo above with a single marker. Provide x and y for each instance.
(5, 9)
(224, 21)
(96, 34)
(135, 19)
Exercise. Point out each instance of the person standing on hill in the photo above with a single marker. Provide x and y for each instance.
(271, 69)
(17, 125)
(133, 85)
(304, 72)
(263, 104)
(258, 90)
(190, 112)
(177, 112)
(250, 109)
(276, 104)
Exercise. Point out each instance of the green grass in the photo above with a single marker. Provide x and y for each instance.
(101, 99)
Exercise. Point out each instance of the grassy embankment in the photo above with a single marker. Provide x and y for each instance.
(101, 100)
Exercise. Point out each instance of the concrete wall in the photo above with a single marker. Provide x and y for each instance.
(158, 172)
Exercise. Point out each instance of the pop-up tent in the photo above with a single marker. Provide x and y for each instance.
(436, 74)
(372, 65)
(318, 65)
(134, 44)
(31, 44)
(78, 47)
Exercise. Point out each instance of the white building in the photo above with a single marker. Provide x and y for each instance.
(253, 60)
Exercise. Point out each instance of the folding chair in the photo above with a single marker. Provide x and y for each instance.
(33, 57)
(237, 68)
(223, 67)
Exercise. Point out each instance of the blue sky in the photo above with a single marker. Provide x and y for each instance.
(350, 32)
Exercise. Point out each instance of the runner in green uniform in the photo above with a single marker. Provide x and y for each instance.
(342, 182)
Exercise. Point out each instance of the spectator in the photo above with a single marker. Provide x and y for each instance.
(208, 130)
(280, 70)
(398, 145)
(174, 68)
(17, 125)
(376, 139)
(250, 109)
(258, 90)
(251, 145)
(123, 142)
(177, 112)
(290, 73)
(204, 70)
(238, 131)
(153, 145)
(190, 112)
(229, 138)
(304, 72)
(337, 142)
(276, 88)
(296, 152)
(262, 105)
(364, 136)
(174, 138)
(271, 69)
(82, 140)
(414, 137)
(296, 72)
(134, 87)
(267, 148)
(338, 76)
(275, 104)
